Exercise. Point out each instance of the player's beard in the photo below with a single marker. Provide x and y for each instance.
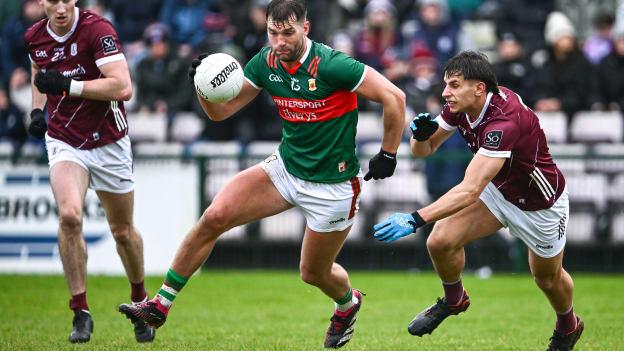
(295, 53)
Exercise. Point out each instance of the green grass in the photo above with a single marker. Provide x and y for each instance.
(267, 310)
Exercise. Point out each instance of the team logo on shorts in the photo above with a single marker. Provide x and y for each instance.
(493, 139)
(312, 84)
(108, 44)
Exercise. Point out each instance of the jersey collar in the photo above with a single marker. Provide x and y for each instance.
(68, 34)
(474, 124)
(305, 55)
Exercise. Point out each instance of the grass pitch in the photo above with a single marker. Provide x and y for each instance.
(274, 310)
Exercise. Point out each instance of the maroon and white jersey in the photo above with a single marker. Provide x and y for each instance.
(507, 128)
(91, 43)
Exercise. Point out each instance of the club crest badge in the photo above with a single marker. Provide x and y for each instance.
(312, 84)
(73, 49)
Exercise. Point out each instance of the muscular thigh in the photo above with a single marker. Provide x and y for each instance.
(472, 223)
(69, 182)
(249, 196)
(118, 207)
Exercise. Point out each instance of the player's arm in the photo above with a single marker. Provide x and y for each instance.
(221, 111)
(481, 170)
(376, 87)
(114, 85)
(38, 99)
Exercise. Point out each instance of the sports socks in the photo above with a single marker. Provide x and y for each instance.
(138, 292)
(453, 292)
(170, 288)
(566, 322)
(79, 302)
(348, 301)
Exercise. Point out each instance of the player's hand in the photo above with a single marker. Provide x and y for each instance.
(397, 226)
(38, 126)
(423, 127)
(381, 165)
(194, 64)
(53, 83)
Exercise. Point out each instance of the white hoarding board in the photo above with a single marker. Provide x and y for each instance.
(166, 206)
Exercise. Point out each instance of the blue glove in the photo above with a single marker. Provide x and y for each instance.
(397, 226)
(423, 127)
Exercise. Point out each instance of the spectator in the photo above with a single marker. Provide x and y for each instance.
(251, 35)
(185, 18)
(513, 69)
(14, 56)
(611, 73)
(527, 19)
(422, 80)
(12, 127)
(162, 84)
(559, 84)
(432, 28)
(600, 43)
(378, 43)
(131, 18)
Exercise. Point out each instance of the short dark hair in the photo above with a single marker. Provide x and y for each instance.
(474, 66)
(281, 11)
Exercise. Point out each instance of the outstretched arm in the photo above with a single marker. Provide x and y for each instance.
(481, 170)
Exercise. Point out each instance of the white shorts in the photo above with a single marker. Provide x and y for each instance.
(542, 231)
(326, 207)
(109, 166)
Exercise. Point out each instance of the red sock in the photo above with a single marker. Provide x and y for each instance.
(453, 292)
(138, 293)
(566, 322)
(79, 302)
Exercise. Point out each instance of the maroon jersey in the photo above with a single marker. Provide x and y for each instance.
(507, 128)
(91, 43)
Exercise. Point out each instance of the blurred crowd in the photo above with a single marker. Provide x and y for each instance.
(559, 55)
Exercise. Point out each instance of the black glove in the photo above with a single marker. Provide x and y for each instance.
(38, 126)
(423, 127)
(381, 165)
(53, 83)
(194, 64)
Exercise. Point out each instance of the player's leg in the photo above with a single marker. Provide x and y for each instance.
(69, 182)
(446, 249)
(249, 196)
(318, 268)
(119, 209)
(558, 287)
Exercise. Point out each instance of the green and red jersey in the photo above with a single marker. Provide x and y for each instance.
(318, 106)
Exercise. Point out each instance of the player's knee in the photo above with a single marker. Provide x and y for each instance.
(122, 233)
(215, 220)
(70, 220)
(545, 282)
(438, 243)
(310, 276)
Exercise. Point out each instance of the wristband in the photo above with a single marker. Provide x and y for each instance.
(418, 219)
(75, 87)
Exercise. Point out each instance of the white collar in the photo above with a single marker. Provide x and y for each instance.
(307, 52)
(68, 34)
(474, 124)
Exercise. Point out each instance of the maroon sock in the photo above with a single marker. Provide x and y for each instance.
(566, 322)
(79, 302)
(138, 293)
(453, 292)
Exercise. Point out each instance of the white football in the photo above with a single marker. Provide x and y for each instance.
(218, 78)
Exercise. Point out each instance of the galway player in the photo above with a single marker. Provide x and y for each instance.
(315, 168)
(511, 181)
(79, 70)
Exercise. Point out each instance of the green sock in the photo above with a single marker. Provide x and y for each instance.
(346, 298)
(171, 287)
